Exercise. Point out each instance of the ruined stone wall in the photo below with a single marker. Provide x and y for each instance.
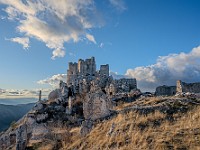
(165, 90)
(187, 87)
(72, 72)
(87, 67)
(104, 70)
(81, 66)
(96, 86)
(77, 71)
(126, 85)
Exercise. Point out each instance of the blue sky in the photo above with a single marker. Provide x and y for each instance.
(130, 35)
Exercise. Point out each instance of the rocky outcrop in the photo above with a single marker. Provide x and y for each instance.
(54, 94)
(96, 105)
(86, 127)
(21, 137)
(86, 97)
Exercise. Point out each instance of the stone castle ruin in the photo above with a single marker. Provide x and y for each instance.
(181, 87)
(87, 96)
(165, 90)
(94, 88)
(82, 77)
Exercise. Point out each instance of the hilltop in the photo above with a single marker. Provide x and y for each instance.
(146, 123)
(94, 111)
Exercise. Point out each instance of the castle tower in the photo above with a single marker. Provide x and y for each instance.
(93, 66)
(81, 66)
(104, 70)
(87, 67)
(179, 86)
(72, 73)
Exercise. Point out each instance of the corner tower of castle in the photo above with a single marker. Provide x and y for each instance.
(81, 69)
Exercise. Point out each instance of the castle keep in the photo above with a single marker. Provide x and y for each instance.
(82, 76)
(82, 68)
(93, 90)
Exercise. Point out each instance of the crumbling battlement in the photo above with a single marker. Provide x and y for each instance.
(182, 87)
(165, 90)
(83, 77)
(83, 69)
(95, 87)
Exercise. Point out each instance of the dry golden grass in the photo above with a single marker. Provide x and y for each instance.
(134, 131)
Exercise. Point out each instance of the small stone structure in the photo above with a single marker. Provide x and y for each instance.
(165, 90)
(182, 87)
(40, 95)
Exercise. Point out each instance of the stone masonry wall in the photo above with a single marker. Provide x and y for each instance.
(187, 87)
(165, 90)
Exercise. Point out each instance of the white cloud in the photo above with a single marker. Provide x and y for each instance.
(118, 4)
(91, 38)
(23, 93)
(54, 80)
(168, 69)
(58, 53)
(101, 45)
(54, 22)
(2, 91)
(24, 41)
(115, 75)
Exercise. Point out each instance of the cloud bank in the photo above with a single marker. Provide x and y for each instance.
(23, 93)
(53, 22)
(54, 80)
(168, 69)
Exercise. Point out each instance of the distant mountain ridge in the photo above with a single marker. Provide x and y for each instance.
(17, 101)
(10, 113)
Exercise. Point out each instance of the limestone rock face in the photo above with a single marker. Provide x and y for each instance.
(21, 137)
(96, 105)
(64, 89)
(39, 131)
(38, 106)
(41, 117)
(54, 94)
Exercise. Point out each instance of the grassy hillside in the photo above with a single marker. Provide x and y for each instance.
(149, 123)
(157, 129)
(10, 113)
